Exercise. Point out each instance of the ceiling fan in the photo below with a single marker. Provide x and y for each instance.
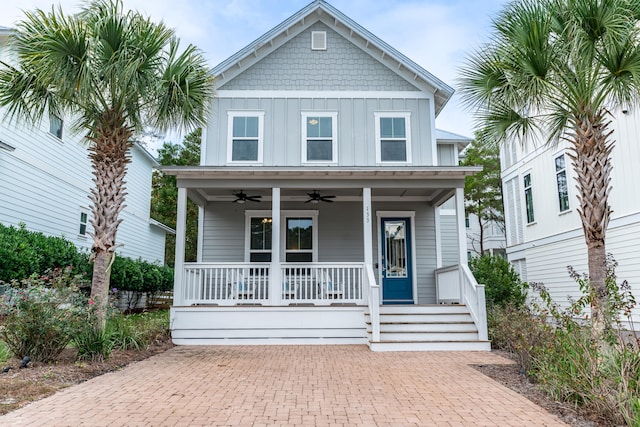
(242, 197)
(315, 197)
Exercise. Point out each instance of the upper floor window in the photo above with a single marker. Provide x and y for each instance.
(561, 180)
(55, 126)
(319, 142)
(528, 198)
(245, 137)
(393, 144)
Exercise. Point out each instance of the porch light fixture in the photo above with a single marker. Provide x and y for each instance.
(313, 122)
(267, 220)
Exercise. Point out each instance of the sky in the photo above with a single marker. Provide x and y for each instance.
(436, 34)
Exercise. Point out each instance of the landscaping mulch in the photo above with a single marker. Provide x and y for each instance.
(511, 377)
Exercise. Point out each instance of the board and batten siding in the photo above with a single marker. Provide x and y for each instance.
(356, 140)
(339, 235)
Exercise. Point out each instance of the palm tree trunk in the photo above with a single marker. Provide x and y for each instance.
(109, 154)
(591, 159)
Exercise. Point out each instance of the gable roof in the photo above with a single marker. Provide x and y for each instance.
(320, 10)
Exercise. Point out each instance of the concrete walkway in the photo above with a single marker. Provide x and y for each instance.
(289, 385)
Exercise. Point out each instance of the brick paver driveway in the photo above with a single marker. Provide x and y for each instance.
(289, 385)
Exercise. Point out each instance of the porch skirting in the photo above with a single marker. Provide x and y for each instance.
(251, 325)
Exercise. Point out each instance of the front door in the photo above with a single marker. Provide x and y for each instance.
(397, 286)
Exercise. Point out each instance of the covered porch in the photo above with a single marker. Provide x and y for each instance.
(320, 241)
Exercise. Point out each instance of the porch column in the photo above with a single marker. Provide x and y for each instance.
(181, 233)
(366, 220)
(275, 280)
(438, 236)
(462, 229)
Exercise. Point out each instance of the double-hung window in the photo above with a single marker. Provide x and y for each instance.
(319, 142)
(561, 180)
(260, 247)
(84, 219)
(393, 141)
(245, 137)
(528, 198)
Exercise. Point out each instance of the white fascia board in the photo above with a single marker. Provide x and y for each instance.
(163, 227)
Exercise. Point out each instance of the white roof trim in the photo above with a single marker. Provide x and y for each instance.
(163, 227)
(314, 10)
(148, 155)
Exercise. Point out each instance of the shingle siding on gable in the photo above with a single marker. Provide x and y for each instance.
(343, 66)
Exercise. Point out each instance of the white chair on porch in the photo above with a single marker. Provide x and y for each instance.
(239, 288)
(328, 288)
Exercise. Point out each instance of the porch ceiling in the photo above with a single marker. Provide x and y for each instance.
(429, 184)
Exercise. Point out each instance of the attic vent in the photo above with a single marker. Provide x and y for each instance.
(318, 40)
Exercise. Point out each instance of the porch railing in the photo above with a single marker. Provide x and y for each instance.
(249, 283)
(374, 303)
(225, 283)
(322, 283)
(474, 298)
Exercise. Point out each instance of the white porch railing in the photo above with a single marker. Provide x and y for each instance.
(249, 283)
(322, 283)
(374, 303)
(225, 283)
(473, 297)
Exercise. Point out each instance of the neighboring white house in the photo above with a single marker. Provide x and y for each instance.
(544, 231)
(321, 180)
(45, 178)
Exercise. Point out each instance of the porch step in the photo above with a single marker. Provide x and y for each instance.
(431, 346)
(426, 328)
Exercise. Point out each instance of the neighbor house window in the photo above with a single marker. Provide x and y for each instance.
(561, 179)
(83, 223)
(319, 140)
(245, 137)
(393, 138)
(55, 126)
(260, 249)
(528, 198)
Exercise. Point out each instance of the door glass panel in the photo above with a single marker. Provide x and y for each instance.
(395, 241)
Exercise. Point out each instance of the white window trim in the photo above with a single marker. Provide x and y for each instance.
(313, 214)
(56, 137)
(83, 210)
(334, 136)
(524, 198)
(407, 123)
(247, 113)
(247, 231)
(566, 176)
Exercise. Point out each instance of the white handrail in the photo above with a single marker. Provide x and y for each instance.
(374, 303)
(474, 299)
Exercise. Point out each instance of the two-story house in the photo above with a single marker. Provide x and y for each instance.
(543, 227)
(320, 184)
(45, 179)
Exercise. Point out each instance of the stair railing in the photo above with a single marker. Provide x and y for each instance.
(374, 303)
(474, 298)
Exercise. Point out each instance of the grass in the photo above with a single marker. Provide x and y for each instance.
(5, 354)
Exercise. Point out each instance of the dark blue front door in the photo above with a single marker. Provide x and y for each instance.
(397, 286)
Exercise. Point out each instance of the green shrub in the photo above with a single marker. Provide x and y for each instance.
(41, 314)
(24, 252)
(502, 284)
(138, 331)
(5, 352)
(93, 343)
(601, 374)
(519, 331)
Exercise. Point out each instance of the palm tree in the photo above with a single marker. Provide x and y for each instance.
(113, 72)
(557, 68)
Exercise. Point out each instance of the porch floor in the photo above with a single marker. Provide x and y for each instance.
(290, 385)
